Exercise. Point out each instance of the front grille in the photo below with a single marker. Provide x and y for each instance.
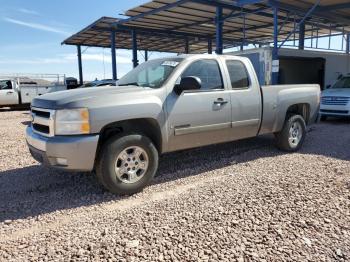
(43, 121)
(334, 111)
(335, 100)
(41, 113)
(41, 128)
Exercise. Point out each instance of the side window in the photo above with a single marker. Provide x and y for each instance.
(208, 71)
(238, 74)
(5, 85)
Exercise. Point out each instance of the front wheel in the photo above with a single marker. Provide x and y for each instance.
(127, 163)
(293, 134)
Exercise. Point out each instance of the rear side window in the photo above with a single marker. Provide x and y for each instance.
(208, 71)
(238, 74)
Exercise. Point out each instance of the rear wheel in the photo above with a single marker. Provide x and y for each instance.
(293, 134)
(127, 164)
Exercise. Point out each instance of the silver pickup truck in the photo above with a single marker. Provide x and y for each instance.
(162, 106)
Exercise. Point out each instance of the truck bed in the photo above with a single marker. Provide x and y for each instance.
(278, 98)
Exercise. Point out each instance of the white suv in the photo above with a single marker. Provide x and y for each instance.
(335, 101)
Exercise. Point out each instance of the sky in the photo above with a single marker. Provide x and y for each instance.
(31, 32)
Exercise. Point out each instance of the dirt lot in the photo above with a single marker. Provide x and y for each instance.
(238, 201)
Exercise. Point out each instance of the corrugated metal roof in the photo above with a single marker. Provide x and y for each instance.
(166, 29)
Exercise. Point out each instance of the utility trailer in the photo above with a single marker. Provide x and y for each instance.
(19, 90)
(298, 66)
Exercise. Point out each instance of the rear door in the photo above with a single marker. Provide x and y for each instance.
(200, 117)
(8, 94)
(245, 98)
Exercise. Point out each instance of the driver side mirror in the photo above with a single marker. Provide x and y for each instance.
(188, 83)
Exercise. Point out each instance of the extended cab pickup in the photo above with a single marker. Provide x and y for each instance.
(161, 106)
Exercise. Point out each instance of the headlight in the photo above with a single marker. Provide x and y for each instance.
(72, 122)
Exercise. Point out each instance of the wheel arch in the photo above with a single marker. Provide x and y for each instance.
(146, 126)
(302, 109)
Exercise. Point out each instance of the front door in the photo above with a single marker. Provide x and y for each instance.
(8, 96)
(200, 117)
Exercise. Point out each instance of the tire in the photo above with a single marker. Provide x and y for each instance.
(127, 163)
(292, 135)
(323, 118)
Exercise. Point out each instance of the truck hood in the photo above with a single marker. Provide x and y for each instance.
(83, 97)
(340, 92)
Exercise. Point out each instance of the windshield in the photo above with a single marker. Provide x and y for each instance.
(150, 74)
(5, 84)
(342, 83)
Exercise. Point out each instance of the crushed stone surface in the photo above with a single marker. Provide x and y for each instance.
(239, 201)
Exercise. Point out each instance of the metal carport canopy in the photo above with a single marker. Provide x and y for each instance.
(190, 26)
(248, 21)
(164, 25)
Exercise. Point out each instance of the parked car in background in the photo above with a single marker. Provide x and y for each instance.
(161, 106)
(19, 90)
(335, 100)
(103, 82)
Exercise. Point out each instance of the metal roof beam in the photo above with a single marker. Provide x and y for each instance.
(160, 31)
(219, 3)
(147, 31)
(228, 17)
(170, 33)
(175, 44)
(247, 2)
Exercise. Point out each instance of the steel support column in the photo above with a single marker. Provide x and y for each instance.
(114, 62)
(275, 63)
(135, 61)
(146, 55)
(244, 33)
(210, 46)
(302, 36)
(219, 27)
(187, 46)
(80, 65)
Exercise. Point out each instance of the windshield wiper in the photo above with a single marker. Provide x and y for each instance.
(129, 84)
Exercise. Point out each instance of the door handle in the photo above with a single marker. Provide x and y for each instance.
(9, 93)
(220, 102)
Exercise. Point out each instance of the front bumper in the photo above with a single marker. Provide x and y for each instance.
(79, 152)
(335, 111)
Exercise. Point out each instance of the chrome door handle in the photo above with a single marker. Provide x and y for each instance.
(220, 101)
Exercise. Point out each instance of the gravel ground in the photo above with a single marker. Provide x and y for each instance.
(241, 201)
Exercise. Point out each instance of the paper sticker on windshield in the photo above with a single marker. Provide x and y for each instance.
(170, 63)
